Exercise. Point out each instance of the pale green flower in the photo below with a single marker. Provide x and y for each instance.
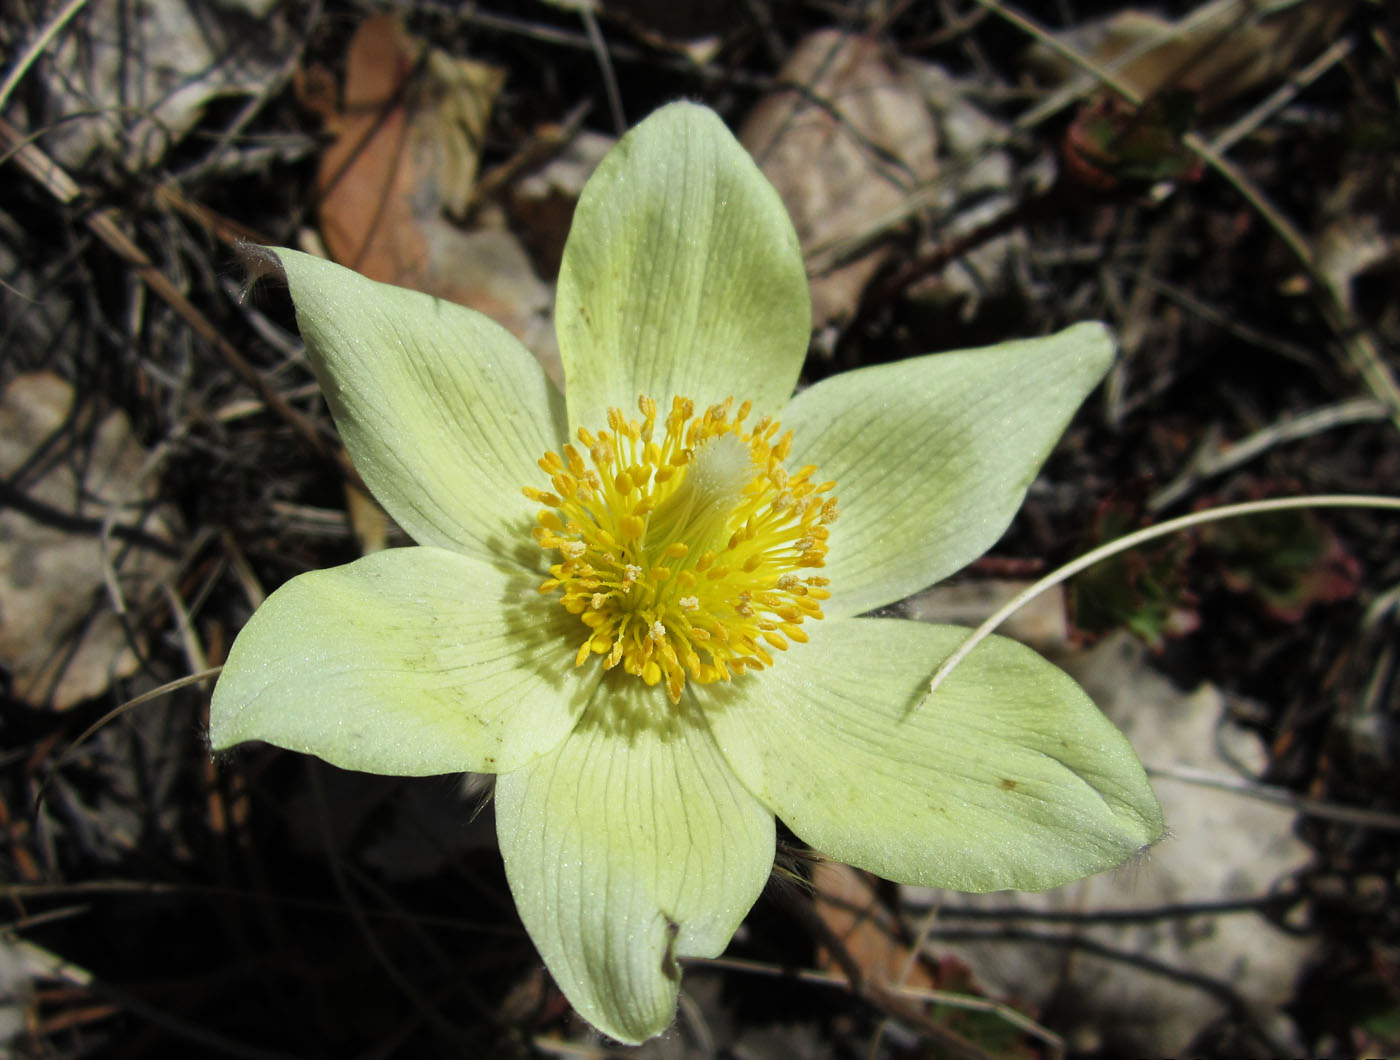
(646, 732)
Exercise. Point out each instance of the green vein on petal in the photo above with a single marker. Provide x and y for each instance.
(681, 275)
(629, 846)
(1008, 777)
(443, 411)
(932, 456)
(408, 662)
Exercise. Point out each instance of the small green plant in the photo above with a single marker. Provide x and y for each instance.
(1112, 144)
(1286, 561)
(1144, 590)
(647, 623)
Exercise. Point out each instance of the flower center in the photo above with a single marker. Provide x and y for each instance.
(688, 555)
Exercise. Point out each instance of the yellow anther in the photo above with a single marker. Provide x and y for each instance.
(542, 497)
(685, 544)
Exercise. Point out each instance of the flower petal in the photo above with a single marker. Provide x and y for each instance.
(443, 411)
(631, 845)
(681, 275)
(932, 456)
(409, 662)
(1008, 777)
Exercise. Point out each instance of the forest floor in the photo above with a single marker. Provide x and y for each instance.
(1219, 183)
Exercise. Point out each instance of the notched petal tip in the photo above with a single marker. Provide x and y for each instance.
(629, 847)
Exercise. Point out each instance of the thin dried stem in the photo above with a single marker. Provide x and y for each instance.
(1133, 540)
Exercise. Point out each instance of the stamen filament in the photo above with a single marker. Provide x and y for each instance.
(688, 556)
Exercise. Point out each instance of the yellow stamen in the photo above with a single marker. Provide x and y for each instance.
(684, 556)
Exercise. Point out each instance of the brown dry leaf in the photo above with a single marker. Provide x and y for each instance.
(367, 176)
(848, 905)
(841, 162)
(1220, 51)
(405, 156)
(542, 203)
(871, 133)
(406, 149)
(134, 79)
(59, 635)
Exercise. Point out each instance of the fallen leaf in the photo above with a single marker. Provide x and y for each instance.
(1219, 51)
(368, 522)
(134, 79)
(406, 149)
(1142, 986)
(542, 204)
(60, 637)
(847, 903)
(1040, 622)
(405, 157)
(849, 149)
(842, 151)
